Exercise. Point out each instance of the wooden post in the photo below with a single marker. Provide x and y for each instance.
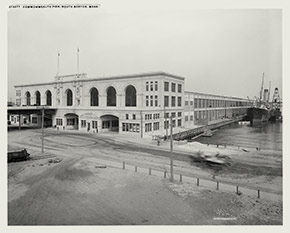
(237, 189)
(42, 131)
(180, 178)
(19, 117)
(171, 150)
(149, 171)
(164, 174)
(141, 126)
(197, 181)
(258, 193)
(123, 164)
(217, 185)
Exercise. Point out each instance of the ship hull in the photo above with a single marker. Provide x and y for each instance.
(256, 115)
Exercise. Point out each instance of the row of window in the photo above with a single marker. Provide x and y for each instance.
(173, 87)
(152, 86)
(191, 118)
(149, 128)
(167, 123)
(133, 116)
(153, 100)
(173, 114)
(149, 116)
(37, 98)
(130, 127)
(211, 103)
(173, 101)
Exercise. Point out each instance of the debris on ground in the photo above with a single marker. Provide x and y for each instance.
(56, 160)
(211, 159)
(100, 166)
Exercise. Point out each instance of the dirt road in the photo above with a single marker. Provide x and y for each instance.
(76, 191)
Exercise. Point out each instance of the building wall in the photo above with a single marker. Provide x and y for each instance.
(158, 97)
(146, 117)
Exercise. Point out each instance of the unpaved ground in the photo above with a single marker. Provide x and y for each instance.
(75, 191)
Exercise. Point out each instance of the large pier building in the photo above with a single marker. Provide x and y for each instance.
(136, 104)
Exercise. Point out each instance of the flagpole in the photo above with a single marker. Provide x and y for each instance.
(58, 55)
(78, 62)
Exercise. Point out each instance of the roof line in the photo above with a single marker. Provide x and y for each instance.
(110, 78)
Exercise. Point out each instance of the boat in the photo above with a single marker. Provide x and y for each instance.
(260, 112)
(207, 133)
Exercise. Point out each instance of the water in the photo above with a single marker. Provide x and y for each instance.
(265, 136)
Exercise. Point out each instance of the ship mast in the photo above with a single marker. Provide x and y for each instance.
(262, 87)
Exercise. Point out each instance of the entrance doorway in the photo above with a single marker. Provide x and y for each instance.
(72, 121)
(110, 123)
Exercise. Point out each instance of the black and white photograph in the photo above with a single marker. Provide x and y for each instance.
(148, 115)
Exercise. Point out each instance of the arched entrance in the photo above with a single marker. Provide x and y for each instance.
(110, 123)
(72, 121)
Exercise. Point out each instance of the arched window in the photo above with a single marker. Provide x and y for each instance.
(69, 98)
(28, 102)
(37, 98)
(94, 97)
(130, 96)
(111, 96)
(48, 98)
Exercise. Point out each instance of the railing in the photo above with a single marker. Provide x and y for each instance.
(205, 181)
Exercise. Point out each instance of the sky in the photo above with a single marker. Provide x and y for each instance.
(218, 51)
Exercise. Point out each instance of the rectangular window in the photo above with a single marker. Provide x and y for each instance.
(156, 85)
(179, 114)
(166, 124)
(179, 122)
(166, 86)
(179, 100)
(155, 126)
(195, 103)
(179, 88)
(94, 124)
(127, 116)
(58, 121)
(173, 114)
(173, 98)
(151, 86)
(147, 100)
(186, 103)
(134, 117)
(166, 101)
(18, 92)
(151, 100)
(147, 86)
(191, 103)
(186, 118)
(156, 100)
(83, 123)
(191, 118)
(173, 87)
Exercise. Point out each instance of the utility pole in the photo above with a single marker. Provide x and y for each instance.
(166, 125)
(42, 130)
(141, 127)
(171, 150)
